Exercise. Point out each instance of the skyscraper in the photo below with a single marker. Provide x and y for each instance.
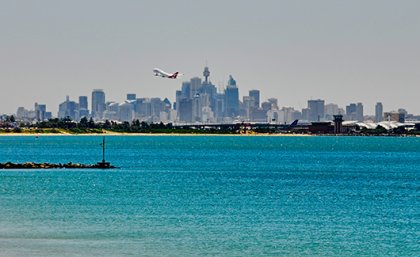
(379, 112)
(316, 110)
(131, 97)
(351, 111)
(232, 98)
(98, 103)
(68, 109)
(83, 106)
(359, 112)
(354, 112)
(195, 86)
(255, 95)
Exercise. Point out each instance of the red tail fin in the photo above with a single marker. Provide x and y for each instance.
(173, 76)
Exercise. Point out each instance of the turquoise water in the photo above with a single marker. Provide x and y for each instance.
(212, 196)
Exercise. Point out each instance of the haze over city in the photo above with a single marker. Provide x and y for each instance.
(343, 52)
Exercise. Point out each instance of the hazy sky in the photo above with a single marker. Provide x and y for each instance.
(341, 51)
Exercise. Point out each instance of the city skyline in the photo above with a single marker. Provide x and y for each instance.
(344, 53)
(198, 100)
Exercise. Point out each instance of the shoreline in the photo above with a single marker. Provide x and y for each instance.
(188, 135)
(146, 134)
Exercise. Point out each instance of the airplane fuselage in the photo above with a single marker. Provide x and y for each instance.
(163, 74)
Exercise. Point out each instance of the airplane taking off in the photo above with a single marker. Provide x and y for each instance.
(161, 73)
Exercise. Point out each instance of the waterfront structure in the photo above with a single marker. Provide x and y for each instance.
(316, 110)
(379, 112)
(98, 103)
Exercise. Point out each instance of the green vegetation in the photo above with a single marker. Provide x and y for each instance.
(88, 126)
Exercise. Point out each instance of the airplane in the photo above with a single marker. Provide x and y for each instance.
(161, 73)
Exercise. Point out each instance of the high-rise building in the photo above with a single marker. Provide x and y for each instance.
(68, 109)
(125, 111)
(331, 110)
(359, 112)
(185, 110)
(316, 110)
(354, 112)
(131, 97)
(83, 102)
(351, 111)
(379, 112)
(83, 106)
(40, 111)
(186, 90)
(232, 98)
(274, 103)
(195, 86)
(98, 103)
(255, 96)
(143, 108)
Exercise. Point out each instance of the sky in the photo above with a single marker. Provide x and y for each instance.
(340, 51)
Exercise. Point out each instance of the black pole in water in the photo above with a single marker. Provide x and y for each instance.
(103, 149)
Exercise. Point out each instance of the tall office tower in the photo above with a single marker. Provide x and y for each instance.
(359, 112)
(83, 102)
(143, 108)
(316, 110)
(274, 103)
(196, 108)
(195, 86)
(83, 106)
(220, 105)
(305, 114)
(178, 97)
(98, 103)
(351, 110)
(157, 106)
(330, 111)
(68, 109)
(247, 104)
(131, 97)
(232, 98)
(255, 95)
(125, 111)
(266, 106)
(185, 110)
(40, 111)
(186, 90)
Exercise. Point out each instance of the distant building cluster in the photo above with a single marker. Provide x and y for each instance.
(199, 101)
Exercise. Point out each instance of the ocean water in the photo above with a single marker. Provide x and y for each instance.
(212, 196)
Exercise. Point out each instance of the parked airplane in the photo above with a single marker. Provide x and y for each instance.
(161, 73)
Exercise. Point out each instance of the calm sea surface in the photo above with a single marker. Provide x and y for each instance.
(212, 196)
